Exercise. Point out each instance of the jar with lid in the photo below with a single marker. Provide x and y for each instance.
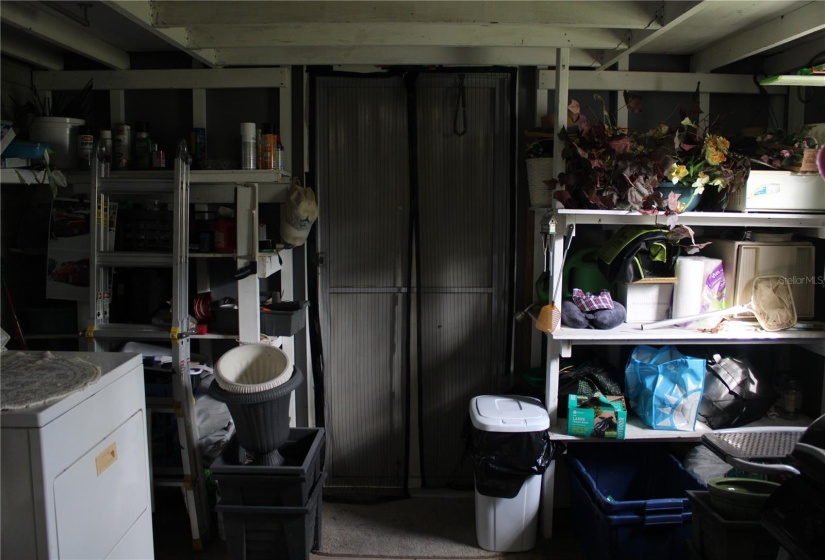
(791, 401)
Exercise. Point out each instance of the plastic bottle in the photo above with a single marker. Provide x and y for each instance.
(143, 146)
(248, 145)
(280, 159)
(105, 153)
(258, 148)
(123, 146)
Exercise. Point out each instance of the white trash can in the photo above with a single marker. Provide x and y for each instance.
(509, 524)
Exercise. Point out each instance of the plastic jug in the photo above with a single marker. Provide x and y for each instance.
(582, 271)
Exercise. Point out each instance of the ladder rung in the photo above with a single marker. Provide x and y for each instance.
(134, 259)
(127, 330)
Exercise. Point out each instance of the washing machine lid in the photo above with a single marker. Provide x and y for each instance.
(508, 413)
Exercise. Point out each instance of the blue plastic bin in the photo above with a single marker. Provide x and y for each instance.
(630, 501)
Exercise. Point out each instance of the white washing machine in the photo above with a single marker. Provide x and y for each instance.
(75, 472)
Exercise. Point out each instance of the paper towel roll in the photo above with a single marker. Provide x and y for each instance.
(690, 281)
(713, 285)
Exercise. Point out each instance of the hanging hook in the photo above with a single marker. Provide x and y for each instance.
(460, 128)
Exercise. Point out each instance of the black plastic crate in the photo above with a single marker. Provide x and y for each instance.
(718, 538)
(283, 319)
(287, 485)
(279, 319)
(266, 532)
(630, 501)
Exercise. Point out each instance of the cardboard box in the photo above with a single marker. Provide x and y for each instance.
(586, 420)
(646, 300)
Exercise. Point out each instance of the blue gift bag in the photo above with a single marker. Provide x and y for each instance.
(664, 387)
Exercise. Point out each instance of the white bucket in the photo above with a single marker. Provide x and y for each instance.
(61, 134)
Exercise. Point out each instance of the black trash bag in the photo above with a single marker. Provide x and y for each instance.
(733, 395)
(502, 461)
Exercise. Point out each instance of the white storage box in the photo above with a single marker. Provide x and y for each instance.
(646, 300)
(780, 191)
(509, 524)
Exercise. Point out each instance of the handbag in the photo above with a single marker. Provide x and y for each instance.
(664, 387)
(733, 395)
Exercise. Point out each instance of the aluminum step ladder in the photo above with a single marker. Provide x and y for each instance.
(102, 335)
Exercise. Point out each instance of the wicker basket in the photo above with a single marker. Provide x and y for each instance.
(539, 170)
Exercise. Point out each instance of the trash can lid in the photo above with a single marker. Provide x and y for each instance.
(508, 413)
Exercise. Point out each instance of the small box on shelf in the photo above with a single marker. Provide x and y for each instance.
(587, 416)
(646, 300)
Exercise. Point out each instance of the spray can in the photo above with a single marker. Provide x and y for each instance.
(281, 156)
(199, 147)
(248, 149)
(269, 146)
(85, 148)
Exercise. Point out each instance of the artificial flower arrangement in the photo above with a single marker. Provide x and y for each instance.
(778, 150)
(611, 168)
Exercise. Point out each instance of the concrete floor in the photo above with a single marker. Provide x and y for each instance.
(173, 539)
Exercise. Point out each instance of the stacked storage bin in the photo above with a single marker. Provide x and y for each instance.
(630, 501)
(273, 512)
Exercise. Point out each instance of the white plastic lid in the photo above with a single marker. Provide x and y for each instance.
(248, 130)
(508, 413)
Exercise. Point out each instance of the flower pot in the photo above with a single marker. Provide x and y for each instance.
(61, 134)
(688, 197)
(261, 418)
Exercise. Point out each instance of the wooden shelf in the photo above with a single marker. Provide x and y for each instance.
(724, 219)
(637, 430)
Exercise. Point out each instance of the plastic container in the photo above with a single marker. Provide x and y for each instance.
(630, 501)
(506, 523)
(284, 319)
(266, 532)
(61, 133)
(289, 484)
(253, 368)
(717, 538)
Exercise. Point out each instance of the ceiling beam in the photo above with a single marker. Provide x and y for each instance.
(206, 78)
(54, 30)
(798, 23)
(656, 81)
(17, 44)
(671, 15)
(793, 59)
(414, 34)
(141, 12)
(392, 55)
(620, 15)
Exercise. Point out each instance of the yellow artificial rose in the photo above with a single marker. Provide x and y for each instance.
(713, 155)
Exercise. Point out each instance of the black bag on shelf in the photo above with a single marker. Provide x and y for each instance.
(637, 252)
(733, 395)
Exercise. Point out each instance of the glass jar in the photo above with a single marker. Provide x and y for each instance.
(791, 399)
